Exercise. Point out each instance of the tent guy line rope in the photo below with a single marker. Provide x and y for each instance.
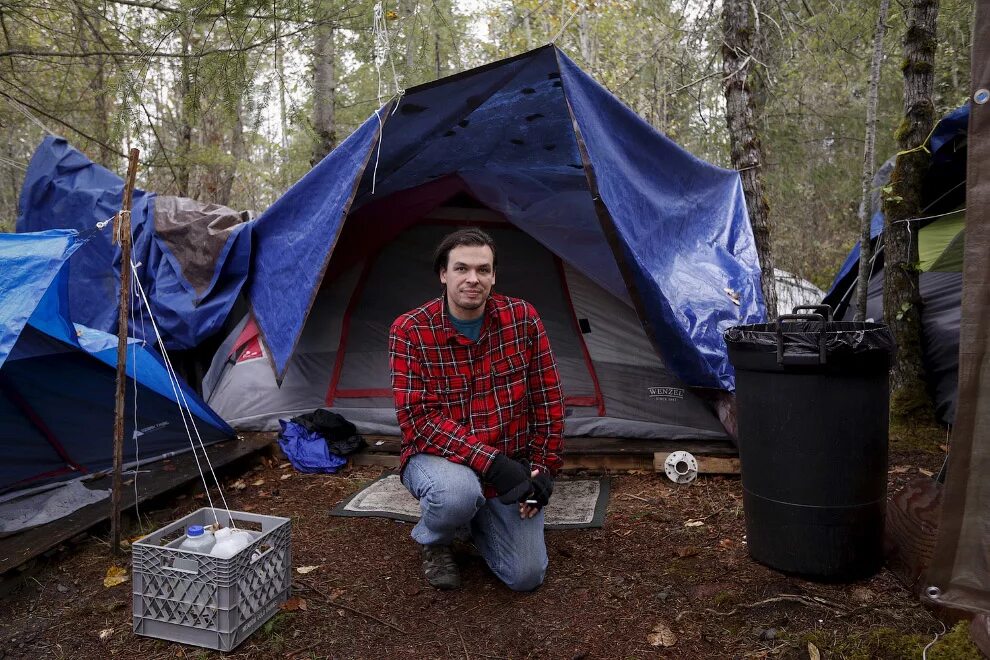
(382, 51)
(13, 163)
(184, 410)
(27, 113)
(564, 25)
(137, 434)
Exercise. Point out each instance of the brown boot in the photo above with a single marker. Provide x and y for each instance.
(439, 567)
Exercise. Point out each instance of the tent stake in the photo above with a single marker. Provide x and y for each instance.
(122, 229)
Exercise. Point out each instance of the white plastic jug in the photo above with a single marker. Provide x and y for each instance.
(198, 539)
(230, 542)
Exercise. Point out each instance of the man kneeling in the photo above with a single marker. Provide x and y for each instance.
(478, 399)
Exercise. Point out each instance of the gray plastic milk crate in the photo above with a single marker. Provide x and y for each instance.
(193, 598)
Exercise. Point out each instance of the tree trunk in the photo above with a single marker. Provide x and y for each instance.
(436, 52)
(902, 203)
(406, 9)
(865, 218)
(739, 40)
(236, 154)
(97, 86)
(324, 89)
(186, 111)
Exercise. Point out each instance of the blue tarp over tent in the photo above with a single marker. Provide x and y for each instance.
(536, 139)
(57, 379)
(64, 189)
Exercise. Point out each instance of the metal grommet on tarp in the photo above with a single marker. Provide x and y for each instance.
(981, 96)
(680, 467)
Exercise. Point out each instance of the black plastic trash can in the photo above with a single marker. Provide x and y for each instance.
(812, 402)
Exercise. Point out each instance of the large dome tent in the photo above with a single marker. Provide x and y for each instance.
(637, 254)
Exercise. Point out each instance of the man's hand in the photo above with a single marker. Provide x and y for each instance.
(542, 489)
(510, 478)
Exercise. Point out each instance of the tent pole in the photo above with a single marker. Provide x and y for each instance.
(122, 230)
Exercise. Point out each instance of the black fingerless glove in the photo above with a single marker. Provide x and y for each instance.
(509, 478)
(542, 489)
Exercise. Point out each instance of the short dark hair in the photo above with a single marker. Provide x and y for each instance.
(471, 236)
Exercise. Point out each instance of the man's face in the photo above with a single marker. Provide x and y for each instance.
(469, 276)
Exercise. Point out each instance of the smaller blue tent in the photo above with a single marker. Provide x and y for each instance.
(58, 379)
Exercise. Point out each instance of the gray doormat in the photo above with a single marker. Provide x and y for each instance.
(576, 503)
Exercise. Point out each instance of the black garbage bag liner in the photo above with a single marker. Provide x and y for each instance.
(807, 337)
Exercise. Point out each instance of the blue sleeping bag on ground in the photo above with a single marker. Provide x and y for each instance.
(307, 451)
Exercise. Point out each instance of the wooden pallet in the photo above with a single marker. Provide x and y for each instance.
(597, 454)
(19, 548)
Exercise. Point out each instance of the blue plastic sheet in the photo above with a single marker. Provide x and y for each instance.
(308, 452)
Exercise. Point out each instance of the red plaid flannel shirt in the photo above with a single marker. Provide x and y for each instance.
(469, 400)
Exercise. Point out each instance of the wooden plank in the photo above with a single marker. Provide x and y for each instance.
(19, 548)
(584, 446)
(910, 532)
(601, 463)
(374, 458)
(572, 464)
(706, 464)
(596, 462)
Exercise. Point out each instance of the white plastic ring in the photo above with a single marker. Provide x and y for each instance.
(680, 467)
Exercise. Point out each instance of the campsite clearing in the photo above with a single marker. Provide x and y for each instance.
(645, 585)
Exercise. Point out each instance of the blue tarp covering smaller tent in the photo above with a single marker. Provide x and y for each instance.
(63, 189)
(58, 379)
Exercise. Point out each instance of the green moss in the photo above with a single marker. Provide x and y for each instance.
(885, 643)
(955, 645)
(902, 133)
(723, 600)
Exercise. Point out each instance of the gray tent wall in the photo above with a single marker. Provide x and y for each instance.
(614, 383)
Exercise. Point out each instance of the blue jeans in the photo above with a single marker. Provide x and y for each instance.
(451, 499)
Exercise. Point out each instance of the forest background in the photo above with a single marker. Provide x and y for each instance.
(231, 101)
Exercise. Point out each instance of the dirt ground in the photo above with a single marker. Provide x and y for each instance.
(646, 585)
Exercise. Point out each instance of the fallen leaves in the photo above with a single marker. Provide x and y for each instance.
(862, 595)
(726, 544)
(294, 604)
(813, 653)
(105, 634)
(285, 476)
(899, 469)
(694, 523)
(303, 570)
(238, 485)
(662, 636)
(686, 551)
(257, 482)
(115, 575)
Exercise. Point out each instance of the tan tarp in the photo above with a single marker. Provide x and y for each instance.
(196, 234)
(959, 575)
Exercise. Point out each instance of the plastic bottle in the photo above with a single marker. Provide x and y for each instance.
(198, 539)
(230, 542)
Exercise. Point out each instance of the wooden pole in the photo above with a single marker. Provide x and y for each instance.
(122, 230)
